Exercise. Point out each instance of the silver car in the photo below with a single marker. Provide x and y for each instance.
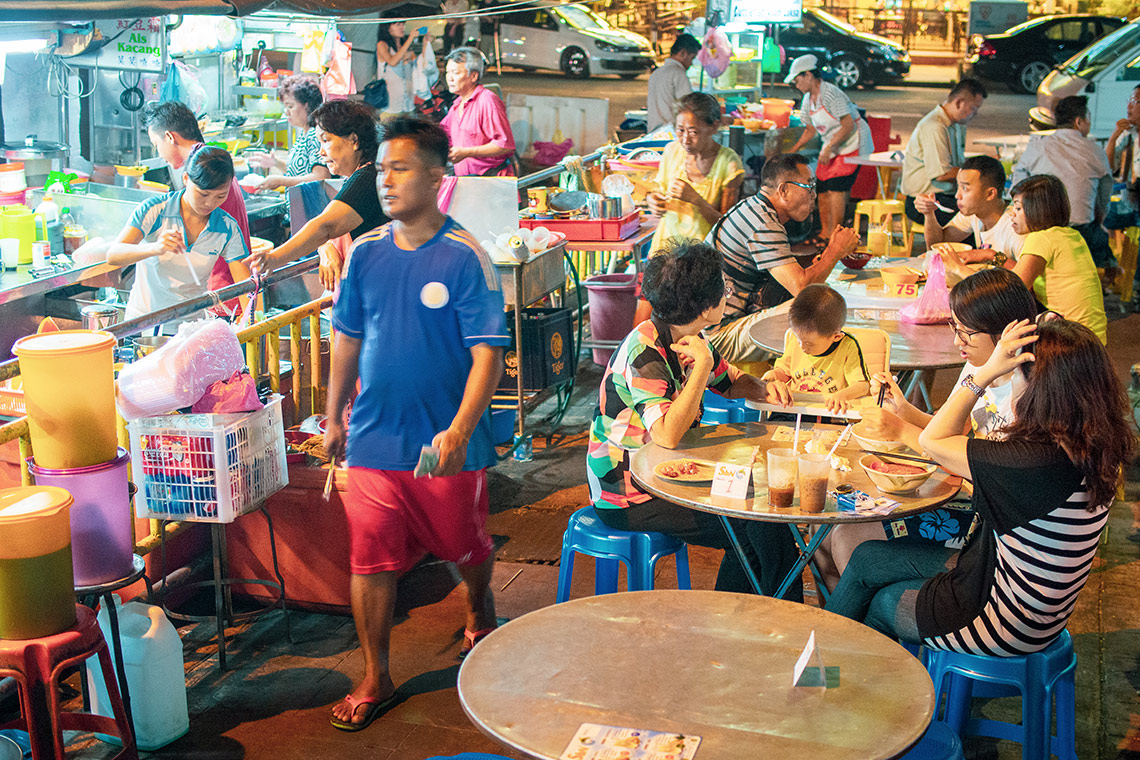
(572, 39)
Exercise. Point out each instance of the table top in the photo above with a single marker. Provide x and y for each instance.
(888, 158)
(643, 234)
(707, 663)
(733, 443)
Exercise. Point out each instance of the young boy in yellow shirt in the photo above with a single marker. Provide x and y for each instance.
(819, 357)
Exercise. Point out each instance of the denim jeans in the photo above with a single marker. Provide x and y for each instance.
(769, 547)
(880, 585)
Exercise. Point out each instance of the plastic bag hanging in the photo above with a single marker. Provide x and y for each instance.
(716, 52)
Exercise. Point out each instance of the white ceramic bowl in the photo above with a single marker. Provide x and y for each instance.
(874, 444)
(889, 483)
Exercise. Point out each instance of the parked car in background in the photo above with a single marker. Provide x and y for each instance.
(856, 58)
(572, 39)
(1106, 71)
(1025, 54)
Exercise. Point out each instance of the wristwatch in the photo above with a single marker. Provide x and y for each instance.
(969, 384)
(999, 259)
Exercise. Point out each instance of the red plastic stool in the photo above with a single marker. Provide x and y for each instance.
(37, 664)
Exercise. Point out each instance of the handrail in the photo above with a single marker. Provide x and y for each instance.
(554, 171)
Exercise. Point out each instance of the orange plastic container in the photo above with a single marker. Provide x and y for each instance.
(778, 110)
(36, 580)
(69, 396)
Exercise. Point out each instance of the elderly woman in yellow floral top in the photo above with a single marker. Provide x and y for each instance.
(698, 179)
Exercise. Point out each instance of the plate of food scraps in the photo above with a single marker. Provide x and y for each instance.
(686, 470)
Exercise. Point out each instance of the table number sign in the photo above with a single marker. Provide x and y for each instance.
(731, 480)
(904, 289)
(809, 669)
(593, 741)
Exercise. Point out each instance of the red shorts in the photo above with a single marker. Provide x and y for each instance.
(394, 517)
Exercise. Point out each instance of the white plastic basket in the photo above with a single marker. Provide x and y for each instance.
(208, 467)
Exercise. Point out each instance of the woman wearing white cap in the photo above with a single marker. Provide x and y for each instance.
(844, 133)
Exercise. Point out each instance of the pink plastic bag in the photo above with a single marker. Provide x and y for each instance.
(933, 304)
(236, 394)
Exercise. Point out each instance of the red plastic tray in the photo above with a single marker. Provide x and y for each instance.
(584, 230)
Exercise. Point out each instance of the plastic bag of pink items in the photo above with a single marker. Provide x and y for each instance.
(237, 394)
(180, 372)
(549, 153)
(933, 304)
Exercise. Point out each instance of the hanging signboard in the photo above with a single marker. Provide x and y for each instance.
(766, 11)
(132, 45)
(995, 17)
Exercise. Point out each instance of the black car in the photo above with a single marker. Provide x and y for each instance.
(1022, 56)
(854, 57)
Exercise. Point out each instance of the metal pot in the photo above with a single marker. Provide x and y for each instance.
(37, 156)
(100, 316)
(602, 207)
(148, 344)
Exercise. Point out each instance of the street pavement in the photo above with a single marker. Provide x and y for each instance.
(1004, 113)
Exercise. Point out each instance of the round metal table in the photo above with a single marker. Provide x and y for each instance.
(706, 663)
(733, 443)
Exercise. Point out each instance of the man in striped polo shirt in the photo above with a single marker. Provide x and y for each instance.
(758, 260)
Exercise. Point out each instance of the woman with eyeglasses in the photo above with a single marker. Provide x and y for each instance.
(652, 391)
(981, 306)
(698, 179)
(1055, 262)
(1042, 494)
(845, 134)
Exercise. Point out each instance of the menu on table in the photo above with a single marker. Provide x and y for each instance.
(593, 741)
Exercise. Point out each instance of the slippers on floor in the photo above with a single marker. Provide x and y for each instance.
(373, 709)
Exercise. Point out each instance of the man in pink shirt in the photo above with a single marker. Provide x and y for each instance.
(477, 125)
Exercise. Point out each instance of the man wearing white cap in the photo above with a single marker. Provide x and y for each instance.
(830, 114)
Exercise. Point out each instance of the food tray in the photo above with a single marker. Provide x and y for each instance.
(589, 230)
(208, 467)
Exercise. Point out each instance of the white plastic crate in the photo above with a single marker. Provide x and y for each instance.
(208, 467)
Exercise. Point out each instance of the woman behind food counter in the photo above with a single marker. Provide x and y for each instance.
(831, 114)
(301, 96)
(176, 239)
(698, 180)
(347, 133)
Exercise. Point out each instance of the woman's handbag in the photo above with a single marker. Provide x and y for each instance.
(376, 94)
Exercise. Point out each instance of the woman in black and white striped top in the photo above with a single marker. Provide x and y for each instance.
(1042, 495)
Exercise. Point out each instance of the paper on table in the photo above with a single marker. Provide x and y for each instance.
(810, 656)
(593, 741)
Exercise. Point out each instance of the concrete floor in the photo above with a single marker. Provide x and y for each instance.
(274, 703)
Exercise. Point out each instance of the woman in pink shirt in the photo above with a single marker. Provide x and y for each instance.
(477, 125)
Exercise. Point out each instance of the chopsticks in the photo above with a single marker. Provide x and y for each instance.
(329, 480)
(907, 457)
(882, 395)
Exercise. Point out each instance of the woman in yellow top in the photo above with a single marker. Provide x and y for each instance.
(698, 179)
(1055, 262)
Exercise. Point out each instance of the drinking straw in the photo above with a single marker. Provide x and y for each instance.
(796, 439)
(839, 440)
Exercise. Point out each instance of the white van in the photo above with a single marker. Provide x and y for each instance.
(1106, 71)
(572, 39)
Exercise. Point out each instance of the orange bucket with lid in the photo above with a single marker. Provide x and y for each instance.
(69, 394)
(36, 581)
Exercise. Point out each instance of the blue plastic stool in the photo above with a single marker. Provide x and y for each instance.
(938, 743)
(719, 410)
(1037, 676)
(587, 534)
